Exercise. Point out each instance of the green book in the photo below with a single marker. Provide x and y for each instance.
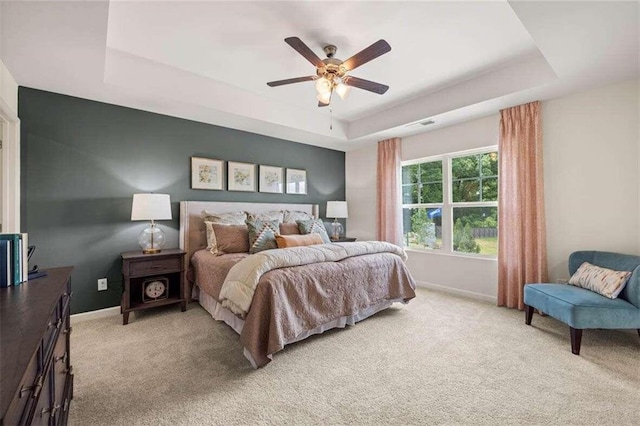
(15, 256)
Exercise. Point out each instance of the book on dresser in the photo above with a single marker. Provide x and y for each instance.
(35, 358)
(13, 259)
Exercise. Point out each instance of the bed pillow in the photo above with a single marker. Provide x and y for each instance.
(262, 235)
(314, 226)
(234, 218)
(606, 282)
(267, 216)
(229, 238)
(285, 241)
(293, 216)
(289, 229)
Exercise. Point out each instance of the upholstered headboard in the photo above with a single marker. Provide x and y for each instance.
(192, 231)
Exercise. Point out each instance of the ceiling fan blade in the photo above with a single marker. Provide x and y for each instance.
(320, 104)
(361, 83)
(304, 50)
(378, 48)
(291, 81)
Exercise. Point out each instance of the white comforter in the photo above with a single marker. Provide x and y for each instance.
(241, 281)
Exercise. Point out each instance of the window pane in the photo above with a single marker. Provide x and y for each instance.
(466, 190)
(432, 193)
(431, 172)
(475, 230)
(410, 194)
(490, 164)
(490, 189)
(422, 228)
(410, 173)
(465, 167)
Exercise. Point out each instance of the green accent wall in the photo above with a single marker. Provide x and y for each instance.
(81, 162)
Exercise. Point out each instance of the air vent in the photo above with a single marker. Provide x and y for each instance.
(421, 123)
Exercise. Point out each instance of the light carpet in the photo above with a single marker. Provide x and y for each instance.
(441, 359)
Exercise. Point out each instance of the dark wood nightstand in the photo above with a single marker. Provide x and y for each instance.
(344, 240)
(140, 270)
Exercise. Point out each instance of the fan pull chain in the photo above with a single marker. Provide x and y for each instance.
(330, 118)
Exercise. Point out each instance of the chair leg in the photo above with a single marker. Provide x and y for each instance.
(576, 340)
(528, 314)
(639, 332)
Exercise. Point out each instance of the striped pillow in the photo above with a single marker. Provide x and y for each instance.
(606, 282)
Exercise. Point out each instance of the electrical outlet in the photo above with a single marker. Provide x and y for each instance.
(102, 284)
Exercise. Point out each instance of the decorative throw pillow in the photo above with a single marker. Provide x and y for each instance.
(606, 282)
(262, 235)
(293, 216)
(285, 241)
(230, 238)
(235, 218)
(289, 229)
(267, 216)
(314, 226)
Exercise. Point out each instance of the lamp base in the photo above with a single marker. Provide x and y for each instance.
(151, 251)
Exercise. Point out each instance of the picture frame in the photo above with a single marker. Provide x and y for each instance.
(296, 181)
(241, 176)
(271, 180)
(207, 173)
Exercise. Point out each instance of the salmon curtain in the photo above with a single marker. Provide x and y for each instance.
(389, 205)
(522, 246)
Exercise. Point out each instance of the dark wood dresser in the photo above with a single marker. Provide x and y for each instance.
(35, 369)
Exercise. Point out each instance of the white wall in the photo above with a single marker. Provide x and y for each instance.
(592, 180)
(592, 184)
(10, 170)
(8, 90)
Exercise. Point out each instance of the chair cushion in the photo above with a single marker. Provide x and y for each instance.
(581, 308)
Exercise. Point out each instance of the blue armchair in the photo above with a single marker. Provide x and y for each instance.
(584, 309)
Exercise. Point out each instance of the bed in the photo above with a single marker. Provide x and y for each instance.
(301, 292)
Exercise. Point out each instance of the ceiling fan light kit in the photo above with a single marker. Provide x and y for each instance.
(331, 73)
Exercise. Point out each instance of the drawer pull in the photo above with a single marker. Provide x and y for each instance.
(68, 330)
(65, 407)
(60, 358)
(35, 388)
(156, 266)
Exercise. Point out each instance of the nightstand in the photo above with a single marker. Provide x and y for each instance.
(160, 274)
(344, 240)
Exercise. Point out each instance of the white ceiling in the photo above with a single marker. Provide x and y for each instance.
(210, 61)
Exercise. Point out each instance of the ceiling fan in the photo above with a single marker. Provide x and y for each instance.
(331, 73)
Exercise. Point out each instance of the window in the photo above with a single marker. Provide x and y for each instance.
(450, 202)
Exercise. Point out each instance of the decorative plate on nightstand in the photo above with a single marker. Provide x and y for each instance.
(156, 288)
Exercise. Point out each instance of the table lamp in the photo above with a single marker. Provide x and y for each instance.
(337, 210)
(151, 207)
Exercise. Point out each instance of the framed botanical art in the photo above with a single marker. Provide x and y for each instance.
(271, 179)
(207, 173)
(296, 181)
(241, 176)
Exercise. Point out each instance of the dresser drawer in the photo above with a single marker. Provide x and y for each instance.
(53, 325)
(146, 267)
(25, 393)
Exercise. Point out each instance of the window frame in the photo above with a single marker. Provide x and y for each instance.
(447, 204)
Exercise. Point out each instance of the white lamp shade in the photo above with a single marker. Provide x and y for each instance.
(337, 209)
(151, 207)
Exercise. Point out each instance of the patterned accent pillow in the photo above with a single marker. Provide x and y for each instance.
(229, 238)
(294, 216)
(606, 282)
(315, 225)
(262, 235)
(267, 216)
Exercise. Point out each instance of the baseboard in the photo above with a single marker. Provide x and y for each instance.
(100, 313)
(457, 291)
